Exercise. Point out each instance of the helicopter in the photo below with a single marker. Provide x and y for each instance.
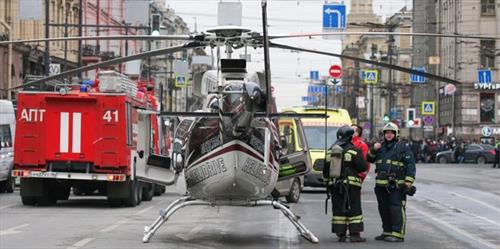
(230, 152)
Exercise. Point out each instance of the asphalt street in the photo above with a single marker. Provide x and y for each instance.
(456, 206)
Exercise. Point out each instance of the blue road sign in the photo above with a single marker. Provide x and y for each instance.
(339, 89)
(334, 16)
(417, 78)
(484, 76)
(371, 76)
(314, 75)
(309, 98)
(316, 89)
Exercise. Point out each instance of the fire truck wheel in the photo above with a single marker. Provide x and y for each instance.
(63, 193)
(9, 184)
(28, 200)
(115, 202)
(159, 189)
(134, 196)
(46, 200)
(147, 191)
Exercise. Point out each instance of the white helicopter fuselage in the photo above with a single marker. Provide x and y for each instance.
(232, 173)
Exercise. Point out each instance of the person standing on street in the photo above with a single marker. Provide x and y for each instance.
(345, 186)
(497, 155)
(361, 145)
(395, 174)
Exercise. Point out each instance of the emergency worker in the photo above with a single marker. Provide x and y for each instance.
(346, 189)
(361, 145)
(395, 174)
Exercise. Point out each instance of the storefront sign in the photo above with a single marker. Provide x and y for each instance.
(487, 86)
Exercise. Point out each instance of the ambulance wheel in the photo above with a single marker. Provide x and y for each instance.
(148, 191)
(294, 193)
(28, 200)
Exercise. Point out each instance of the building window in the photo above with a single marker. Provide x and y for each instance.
(487, 53)
(487, 107)
(487, 7)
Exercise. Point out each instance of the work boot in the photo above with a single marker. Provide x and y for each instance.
(393, 239)
(380, 237)
(341, 237)
(356, 237)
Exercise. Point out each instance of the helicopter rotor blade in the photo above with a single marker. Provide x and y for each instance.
(383, 33)
(376, 63)
(111, 37)
(114, 62)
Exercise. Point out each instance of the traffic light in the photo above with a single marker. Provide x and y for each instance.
(155, 24)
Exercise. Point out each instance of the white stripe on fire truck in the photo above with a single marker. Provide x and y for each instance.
(64, 132)
(77, 132)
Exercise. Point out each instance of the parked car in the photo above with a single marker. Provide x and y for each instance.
(474, 153)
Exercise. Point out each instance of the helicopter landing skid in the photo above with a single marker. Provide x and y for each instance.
(149, 231)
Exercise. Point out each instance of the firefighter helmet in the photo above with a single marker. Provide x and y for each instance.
(345, 133)
(391, 127)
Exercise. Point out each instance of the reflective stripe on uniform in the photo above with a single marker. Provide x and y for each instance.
(381, 182)
(356, 219)
(399, 235)
(354, 180)
(409, 179)
(352, 152)
(339, 220)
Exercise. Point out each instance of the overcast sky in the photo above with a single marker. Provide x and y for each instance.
(289, 70)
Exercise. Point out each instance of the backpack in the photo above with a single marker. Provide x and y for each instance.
(335, 167)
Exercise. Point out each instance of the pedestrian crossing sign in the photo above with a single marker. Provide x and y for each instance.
(428, 108)
(181, 80)
(371, 76)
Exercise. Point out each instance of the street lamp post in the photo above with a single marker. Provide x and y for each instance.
(373, 58)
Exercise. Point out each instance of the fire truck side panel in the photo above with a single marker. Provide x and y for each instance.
(29, 147)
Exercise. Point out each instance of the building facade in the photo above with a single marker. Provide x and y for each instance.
(474, 106)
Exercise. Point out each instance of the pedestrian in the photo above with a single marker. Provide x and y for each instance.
(459, 153)
(497, 155)
(395, 174)
(345, 186)
(358, 142)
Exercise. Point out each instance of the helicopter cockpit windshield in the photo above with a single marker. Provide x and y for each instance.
(232, 98)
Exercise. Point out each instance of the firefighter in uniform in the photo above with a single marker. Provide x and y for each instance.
(395, 174)
(346, 189)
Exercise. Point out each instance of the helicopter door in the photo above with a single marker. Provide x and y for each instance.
(295, 160)
(151, 167)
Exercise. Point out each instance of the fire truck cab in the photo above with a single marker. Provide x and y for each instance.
(95, 138)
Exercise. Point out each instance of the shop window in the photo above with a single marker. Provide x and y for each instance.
(487, 107)
(487, 53)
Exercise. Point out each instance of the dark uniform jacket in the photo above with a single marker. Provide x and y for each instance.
(393, 159)
(353, 163)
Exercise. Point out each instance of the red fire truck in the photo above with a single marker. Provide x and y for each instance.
(104, 138)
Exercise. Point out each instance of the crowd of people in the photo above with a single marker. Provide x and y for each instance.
(425, 151)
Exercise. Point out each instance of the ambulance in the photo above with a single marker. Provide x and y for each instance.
(320, 134)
